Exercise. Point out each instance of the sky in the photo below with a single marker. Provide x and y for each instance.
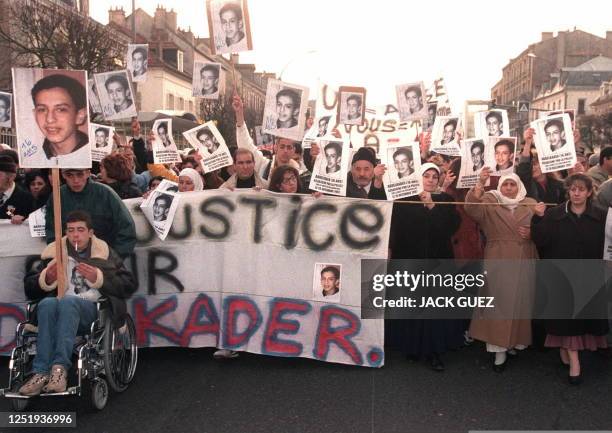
(383, 43)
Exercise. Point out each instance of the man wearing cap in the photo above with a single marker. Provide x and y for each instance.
(110, 218)
(365, 177)
(15, 203)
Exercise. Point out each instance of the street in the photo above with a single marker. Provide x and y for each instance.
(186, 390)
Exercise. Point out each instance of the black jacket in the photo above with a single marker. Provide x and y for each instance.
(560, 234)
(352, 190)
(21, 200)
(554, 192)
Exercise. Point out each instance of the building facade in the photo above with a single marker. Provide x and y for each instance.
(602, 105)
(524, 75)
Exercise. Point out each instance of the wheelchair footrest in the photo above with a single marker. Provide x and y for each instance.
(73, 390)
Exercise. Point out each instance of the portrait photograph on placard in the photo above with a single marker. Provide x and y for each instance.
(209, 143)
(444, 136)
(206, 80)
(351, 110)
(45, 141)
(137, 59)
(116, 95)
(285, 110)
(554, 141)
(6, 104)
(229, 26)
(159, 209)
(504, 151)
(92, 96)
(569, 111)
(403, 161)
(326, 282)
(491, 123)
(411, 101)
(164, 148)
(475, 155)
(321, 129)
(330, 169)
(432, 111)
(102, 140)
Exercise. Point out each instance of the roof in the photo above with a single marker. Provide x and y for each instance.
(599, 63)
(587, 78)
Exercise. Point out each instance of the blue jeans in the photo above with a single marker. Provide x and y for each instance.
(59, 322)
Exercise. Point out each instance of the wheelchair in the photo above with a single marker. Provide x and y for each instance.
(106, 357)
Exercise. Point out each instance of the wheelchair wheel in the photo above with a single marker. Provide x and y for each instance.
(99, 393)
(120, 354)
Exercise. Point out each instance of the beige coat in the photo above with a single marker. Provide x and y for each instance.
(512, 283)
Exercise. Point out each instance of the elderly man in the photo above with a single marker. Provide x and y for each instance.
(365, 177)
(283, 148)
(111, 220)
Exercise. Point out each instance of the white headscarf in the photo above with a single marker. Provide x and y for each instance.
(510, 203)
(429, 166)
(195, 178)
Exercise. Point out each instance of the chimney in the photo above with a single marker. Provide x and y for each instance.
(547, 35)
(609, 35)
(171, 19)
(117, 16)
(159, 19)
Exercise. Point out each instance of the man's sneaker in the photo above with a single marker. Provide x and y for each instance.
(57, 382)
(35, 385)
(225, 354)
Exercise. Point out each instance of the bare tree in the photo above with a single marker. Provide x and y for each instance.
(221, 112)
(48, 34)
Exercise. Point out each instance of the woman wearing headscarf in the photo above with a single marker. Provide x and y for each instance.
(574, 230)
(504, 216)
(424, 231)
(190, 180)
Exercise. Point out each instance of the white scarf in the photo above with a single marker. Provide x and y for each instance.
(195, 178)
(510, 203)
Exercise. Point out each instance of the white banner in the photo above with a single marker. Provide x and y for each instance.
(236, 271)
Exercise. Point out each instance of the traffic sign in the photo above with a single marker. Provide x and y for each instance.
(523, 107)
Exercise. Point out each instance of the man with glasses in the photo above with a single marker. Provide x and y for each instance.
(284, 148)
(111, 219)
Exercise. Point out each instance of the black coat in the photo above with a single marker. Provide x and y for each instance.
(352, 190)
(421, 233)
(554, 191)
(21, 200)
(560, 234)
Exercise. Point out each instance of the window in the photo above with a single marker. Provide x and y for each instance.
(181, 104)
(170, 102)
(191, 106)
(554, 106)
(581, 105)
(179, 61)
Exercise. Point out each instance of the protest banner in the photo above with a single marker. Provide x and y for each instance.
(403, 176)
(229, 26)
(285, 110)
(554, 141)
(211, 146)
(607, 253)
(102, 140)
(164, 148)
(36, 223)
(137, 62)
(475, 155)
(252, 295)
(42, 141)
(444, 136)
(6, 100)
(331, 167)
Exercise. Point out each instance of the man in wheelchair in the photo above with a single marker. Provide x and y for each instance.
(92, 270)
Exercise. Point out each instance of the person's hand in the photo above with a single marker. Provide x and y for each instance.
(539, 209)
(150, 139)
(458, 136)
(485, 174)
(51, 274)
(449, 178)
(89, 272)
(577, 168)
(379, 171)
(309, 122)
(524, 232)
(317, 194)
(17, 219)
(314, 149)
(528, 136)
(578, 141)
(120, 140)
(238, 107)
(424, 142)
(336, 133)
(257, 188)
(425, 196)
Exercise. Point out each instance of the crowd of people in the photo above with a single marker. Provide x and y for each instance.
(526, 215)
